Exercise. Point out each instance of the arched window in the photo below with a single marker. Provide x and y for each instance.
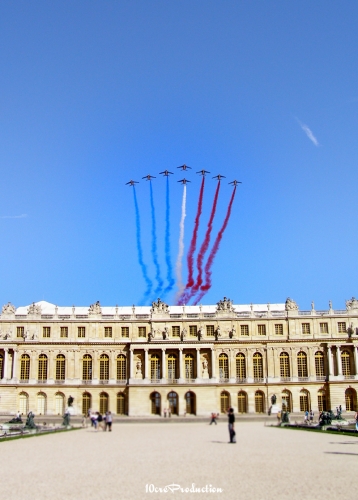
(86, 402)
(304, 400)
(284, 365)
(41, 403)
(121, 367)
(224, 401)
(155, 403)
(346, 364)
(121, 403)
(104, 368)
(259, 402)
(60, 367)
(42, 372)
(319, 365)
(302, 365)
(103, 402)
(23, 403)
(240, 368)
(189, 366)
(322, 400)
(173, 402)
(25, 367)
(1, 366)
(87, 367)
(351, 399)
(286, 401)
(242, 402)
(223, 367)
(258, 367)
(59, 403)
(172, 367)
(154, 367)
(190, 403)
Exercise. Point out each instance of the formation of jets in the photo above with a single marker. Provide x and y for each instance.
(166, 173)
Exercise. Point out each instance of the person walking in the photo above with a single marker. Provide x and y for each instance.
(213, 419)
(231, 422)
(356, 417)
(311, 416)
(100, 421)
(109, 420)
(306, 416)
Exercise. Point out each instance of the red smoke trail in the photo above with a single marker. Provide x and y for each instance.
(192, 248)
(208, 266)
(204, 246)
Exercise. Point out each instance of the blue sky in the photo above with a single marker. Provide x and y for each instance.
(95, 93)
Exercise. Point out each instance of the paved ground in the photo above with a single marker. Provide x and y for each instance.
(266, 463)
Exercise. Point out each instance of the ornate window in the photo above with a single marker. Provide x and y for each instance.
(104, 367)
(304, 400)
(87, 367)
(20, 331)
(259, 402)
(261, 329)
(190, 400)
(175, 331)
(342, 327)
(258, 366)
(302, 365)
(193, 331)
(171, 363)
(323, 327)
(154, 367)
(210, 330)
(86, 402)
(242, 402)
(1, 366)
(351, 400)
(286, 401)
(81, 331)
(59, 403)
(284, 365)
(240, 367)
(64, 331)
(41, 403)
(244, 330)
(173, 402)
(189, 366)
(60, 367)
(142, 331)
(322, 400)
(108, 331)
(223, 366)
(224, 401)
(346, 363)
(42, 371)
(279, 329)
(155, 403)
(319, 364)
(25, 367)
(46, 331)
(306, 328)
(23, 403)
(125, 331)
(121, 367)
(103, 402)
(121, 403)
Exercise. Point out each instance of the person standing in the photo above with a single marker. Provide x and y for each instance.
(231, 422)
(109, 420)
(213, 419)
(356, 417)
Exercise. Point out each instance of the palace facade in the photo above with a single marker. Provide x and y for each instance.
(191, 359)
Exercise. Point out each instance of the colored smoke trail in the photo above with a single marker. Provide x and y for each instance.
(192, 248)
(204, 246)
(140, 251)
(179, 264)
(170, 278)
(204, 289)
(154, 245)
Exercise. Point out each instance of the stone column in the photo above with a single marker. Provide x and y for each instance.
(6, 355)
(50, 368)
(14, 365)
(33, 366)
(180, 364)
(213, 360)
(355, 352)
(164, 366)
(330, 361)
(198, 374)
(146, 363)
(232, 367)
(95, 367)
(339, 360)
(131, 361)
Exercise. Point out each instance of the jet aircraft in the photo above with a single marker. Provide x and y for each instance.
(218, 177)
(184, 167)
(148, 177)
(203, 172)
(235, 183)
(131, 183)
(184, 181)
(166, 173)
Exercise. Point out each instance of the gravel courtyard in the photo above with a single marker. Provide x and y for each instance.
(266, 463)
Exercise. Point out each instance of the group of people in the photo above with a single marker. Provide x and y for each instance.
(231, 423)
(167, 412)
(98, 421)
(308, 416)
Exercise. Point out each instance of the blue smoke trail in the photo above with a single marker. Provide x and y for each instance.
(170, 278)
(154, 246)
(140, 252)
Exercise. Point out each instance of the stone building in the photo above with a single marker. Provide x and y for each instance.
(191, 359)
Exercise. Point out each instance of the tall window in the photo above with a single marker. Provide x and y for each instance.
(259, 402)
(351, 400)
(154, 367)
(210, 330)
(286, 401)
(224, 401)
(284, 365)
(223, 366)
(1, 366)
(41, 403)
(171, 366)
(319, 364)
(108, 331)
(322, 400)
(244, 330)
(346, 365)
(81, 331)
(24, 403)
(193, 331)
(60, 367)
(20, 331)
(104, 367)
(190, 403)
(173, 402)
(240, 367)
(103, 402)
(241, 402)
(86, 403)
(42, 371)
(306, 328)
(59, 403)
(155, 403)
(304, 400)
(279, 329)
(121, 403)
(261, 329)
(142, 331)
(323, 327)
(175, 331)
(302, 364)
(64, 331)
(189, 366)
(46, 331)
(125, 331)
(342, 327)
(121, 367)
(258, 366)
(25, 367)
(87, 367)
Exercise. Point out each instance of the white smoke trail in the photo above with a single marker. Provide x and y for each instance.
(179, 263)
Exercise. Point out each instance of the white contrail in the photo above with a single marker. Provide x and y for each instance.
(13, 216)
(179, 263)
(308, 132)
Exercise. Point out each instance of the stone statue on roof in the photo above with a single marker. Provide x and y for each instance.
(34, 309)
(290, 305)
(225, 305)
(95, 308)
(159, 307)
(8, 309)
(351, 304)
